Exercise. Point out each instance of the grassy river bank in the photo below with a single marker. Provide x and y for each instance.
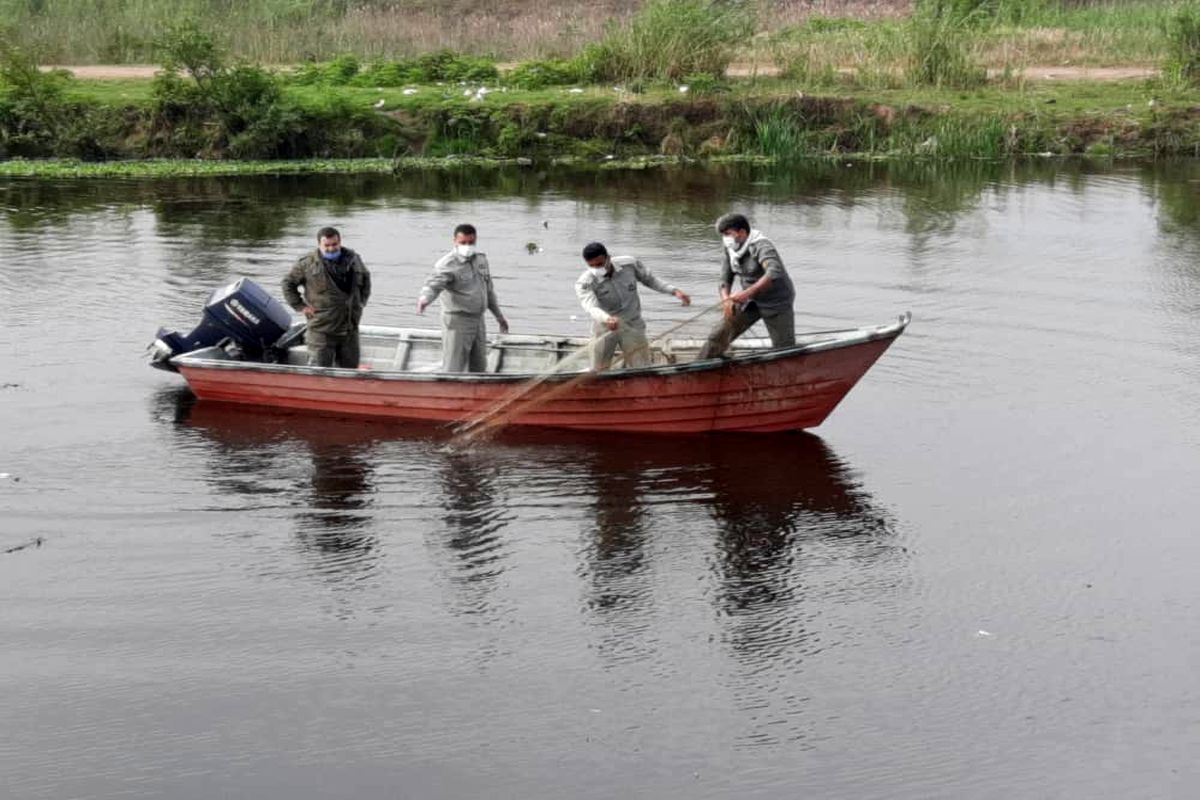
(948, 81)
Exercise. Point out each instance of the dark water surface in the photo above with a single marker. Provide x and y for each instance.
(978, 579)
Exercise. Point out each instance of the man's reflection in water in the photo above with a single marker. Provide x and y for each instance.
(788, 512)
(260, 457)
(793, 523)
(618, 553)
(474, 516)
(615, 564)
(335, 526)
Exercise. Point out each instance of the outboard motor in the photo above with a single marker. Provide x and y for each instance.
(242, 316)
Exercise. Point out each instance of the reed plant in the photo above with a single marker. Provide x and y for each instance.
(1183, 55)
(939, 44)
(955, 137)
(669, 39)
(779, 134)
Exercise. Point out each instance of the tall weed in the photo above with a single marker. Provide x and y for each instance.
(778, 133)
(939, 51)
(669, 39)
(1182, 33)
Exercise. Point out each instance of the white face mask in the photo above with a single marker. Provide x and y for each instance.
(599, 272)
(464, 251)
(729, 242)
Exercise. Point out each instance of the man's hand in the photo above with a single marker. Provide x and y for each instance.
(503, 323)
(422, 304)
(741, 298)
(683, 298)
(612, 323)
(309, 312)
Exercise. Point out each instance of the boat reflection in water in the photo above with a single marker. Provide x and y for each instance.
(271, 468)
(768, 520)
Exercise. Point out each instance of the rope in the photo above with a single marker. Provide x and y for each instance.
(492, 418)
(469, 425)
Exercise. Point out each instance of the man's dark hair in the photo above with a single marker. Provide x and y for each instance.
(466, 228)
(737, 222)
(328, 233)
(594, 249)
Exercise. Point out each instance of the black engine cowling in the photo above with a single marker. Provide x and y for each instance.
(242, 317)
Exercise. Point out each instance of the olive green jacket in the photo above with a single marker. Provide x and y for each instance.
(338, 313)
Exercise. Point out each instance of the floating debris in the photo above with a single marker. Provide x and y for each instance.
(36, 541)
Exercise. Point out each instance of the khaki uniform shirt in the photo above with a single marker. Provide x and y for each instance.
(464, 286)
(616, 295)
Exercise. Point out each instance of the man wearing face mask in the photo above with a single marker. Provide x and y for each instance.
(336, 287)
(607, 290)
(464, 281)
(766, 291)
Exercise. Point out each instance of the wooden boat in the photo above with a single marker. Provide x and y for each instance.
(540, 381)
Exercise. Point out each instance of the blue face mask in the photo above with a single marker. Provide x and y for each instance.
(334, 256)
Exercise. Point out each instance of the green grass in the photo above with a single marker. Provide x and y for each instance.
(1060, 98)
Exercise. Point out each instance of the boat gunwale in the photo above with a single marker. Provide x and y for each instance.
(868, 334)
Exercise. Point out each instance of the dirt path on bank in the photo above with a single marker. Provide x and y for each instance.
(1036, 73)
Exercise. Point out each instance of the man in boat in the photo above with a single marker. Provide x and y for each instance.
(336, 287)
(608, 292)
(464, 281)
(766, 291)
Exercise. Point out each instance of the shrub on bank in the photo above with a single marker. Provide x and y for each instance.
(203, 106)
(550, 72)
(347, 70)
(37, 119)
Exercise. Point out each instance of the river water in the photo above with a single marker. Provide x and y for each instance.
(977, 579)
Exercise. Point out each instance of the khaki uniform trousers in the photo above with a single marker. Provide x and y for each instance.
(630, 337)
(464, 343)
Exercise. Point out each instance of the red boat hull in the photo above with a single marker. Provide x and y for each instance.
(766, 393)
